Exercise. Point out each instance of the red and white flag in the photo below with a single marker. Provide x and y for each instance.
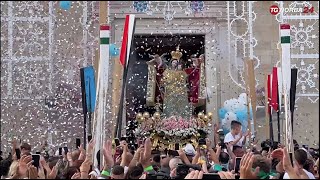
(127, 37)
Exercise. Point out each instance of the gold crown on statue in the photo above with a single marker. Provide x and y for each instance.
(176, 54)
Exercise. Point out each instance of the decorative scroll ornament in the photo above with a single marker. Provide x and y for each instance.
(168, 7)
(241, 43)
(304, 51)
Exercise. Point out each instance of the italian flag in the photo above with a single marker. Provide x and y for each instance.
(286, 82)
(286, 61)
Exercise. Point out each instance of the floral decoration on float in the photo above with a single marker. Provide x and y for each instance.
(167, 132)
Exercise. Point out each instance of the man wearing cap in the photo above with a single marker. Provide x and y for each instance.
(189, 151)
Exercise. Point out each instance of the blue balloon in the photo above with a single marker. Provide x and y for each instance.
(114, 50)
(241, 115)
(66, 5)
(244, 124)
(222, 113)
(225, 131)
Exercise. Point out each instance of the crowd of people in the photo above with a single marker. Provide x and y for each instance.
(226, 159)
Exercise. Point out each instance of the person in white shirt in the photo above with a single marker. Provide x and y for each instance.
(235, 136)
(300, 158)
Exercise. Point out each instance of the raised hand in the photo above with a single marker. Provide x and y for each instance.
(287, 166)
(277, 154)
(226, 175)
(107, 153)
(194, 175)
(33, 172)
(246, 167)
(69, 157)
(90, 147)
(146, 154)
(246, 134)
(53, 173)
(23, 165)
(82, 155)
(208, 143)
(76, 176)
(14, 144)
(81, 149)
(41, 174)
(85, 167)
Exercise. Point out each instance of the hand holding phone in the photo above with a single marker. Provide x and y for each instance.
(18, 153)
(65, 149)
(78, 142)
(237, 165)
(36, 160)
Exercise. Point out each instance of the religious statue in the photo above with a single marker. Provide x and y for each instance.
(156, 67)
(175, 85)
(196, 79)
(177, 89)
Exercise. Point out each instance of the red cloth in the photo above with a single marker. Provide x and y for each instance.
(194, 83)
(123, 52)
(269, 93)
(274, 94)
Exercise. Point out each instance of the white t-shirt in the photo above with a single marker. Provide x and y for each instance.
(310, 175)
(229, 138)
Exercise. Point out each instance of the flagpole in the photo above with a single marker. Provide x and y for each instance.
(120, 112)
(270, 109)
(124, 59)
(266, 103)
(294, 73)
(280, 90)
(278, 116)
(248, 99)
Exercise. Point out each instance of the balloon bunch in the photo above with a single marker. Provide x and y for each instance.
(235, 110)
(114, 50)
(66, 5)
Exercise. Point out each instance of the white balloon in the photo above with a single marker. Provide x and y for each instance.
(226, 124)
(243, 101)
(223, 122)
(230, 116)
(243, 97)
(231, 104)
(245, 124)
(240, 106)
(227, 105)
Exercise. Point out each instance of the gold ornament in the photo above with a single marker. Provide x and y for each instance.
(146, 115)
(205, 118)
(140, 120)
(138, 116)
(210, 115)
(156, 115)
(176, 54)
(200, 115)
